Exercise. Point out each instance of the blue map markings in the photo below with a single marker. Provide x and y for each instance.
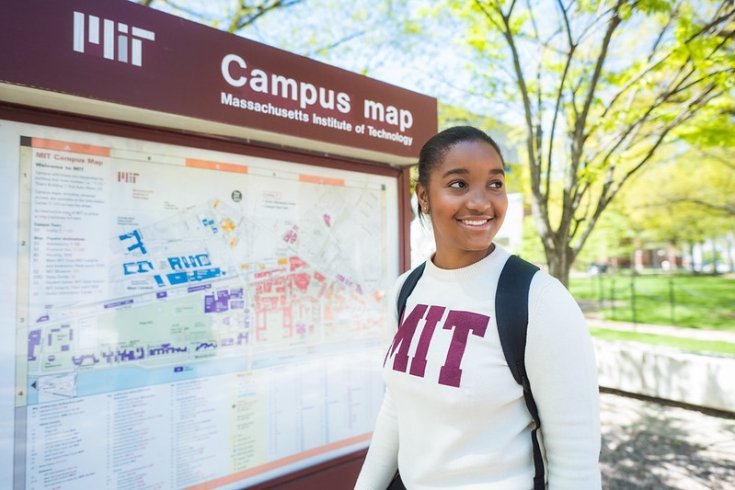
(201, 287)
(190, 262)
(123, 376)
(176, 278)
(138, 245)
(159, 281)
(140, 267)
(190, 268)
(85, 360)
(210, 223)
(122, 355)
(166, 348)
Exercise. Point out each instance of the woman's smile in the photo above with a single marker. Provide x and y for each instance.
(480, 223)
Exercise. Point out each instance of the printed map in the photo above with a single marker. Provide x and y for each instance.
(200, 263)
(191, 318)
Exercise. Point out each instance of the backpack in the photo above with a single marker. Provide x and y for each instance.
(511, 311)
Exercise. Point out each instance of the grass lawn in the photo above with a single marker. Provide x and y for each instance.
(685, 300)
(696, 345)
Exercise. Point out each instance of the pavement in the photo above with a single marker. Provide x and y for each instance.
(648, 445)
(657, 445)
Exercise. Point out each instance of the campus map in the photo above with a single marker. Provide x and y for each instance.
(204, 303)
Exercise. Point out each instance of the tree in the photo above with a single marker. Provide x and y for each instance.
(601, 92)
(235, 16)
(712, 159)
(713, 192)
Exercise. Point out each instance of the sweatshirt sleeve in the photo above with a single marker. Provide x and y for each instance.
(381, 461)
(561, 367)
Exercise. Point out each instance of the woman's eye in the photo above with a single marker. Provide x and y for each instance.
(457, 184)
(496, 184)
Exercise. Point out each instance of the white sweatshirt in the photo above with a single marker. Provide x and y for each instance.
(454, 418)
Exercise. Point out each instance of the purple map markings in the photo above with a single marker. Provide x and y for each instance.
(34, 340)
(122, 302)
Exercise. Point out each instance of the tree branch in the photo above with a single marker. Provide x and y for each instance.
(337, 43)
(719, 159)
(726, 17)
(581, 122)
(560, 91)
(521, 81)
(248, 14)
(728, 208)
(658, 102)
(609, 191)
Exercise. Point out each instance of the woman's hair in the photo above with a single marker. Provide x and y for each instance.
(434, 150)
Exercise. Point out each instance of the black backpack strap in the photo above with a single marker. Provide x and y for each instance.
(511, 311)
(407, 288)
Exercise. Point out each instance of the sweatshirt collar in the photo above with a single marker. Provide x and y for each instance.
(495, 258)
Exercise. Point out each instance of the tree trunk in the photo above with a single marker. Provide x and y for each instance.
(715, 261)
(692, 265)
(560, 262)
(671, 253)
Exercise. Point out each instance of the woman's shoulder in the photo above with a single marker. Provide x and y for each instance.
(543, 283)
(548, 296)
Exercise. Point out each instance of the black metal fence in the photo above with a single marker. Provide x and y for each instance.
(698, 301)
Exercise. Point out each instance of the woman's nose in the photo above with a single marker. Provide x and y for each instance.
(478, 199)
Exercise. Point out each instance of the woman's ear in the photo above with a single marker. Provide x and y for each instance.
(423, 197)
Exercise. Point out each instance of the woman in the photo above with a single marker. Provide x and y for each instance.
(453, 416)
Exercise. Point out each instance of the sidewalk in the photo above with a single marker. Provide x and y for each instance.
(646, 445)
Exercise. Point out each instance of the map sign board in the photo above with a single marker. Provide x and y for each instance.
(182, 317)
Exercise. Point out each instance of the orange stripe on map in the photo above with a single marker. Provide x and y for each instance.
(321, 180)
(241, 475)
(223, 167)
(47, 144)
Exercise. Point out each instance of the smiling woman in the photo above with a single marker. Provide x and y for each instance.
(454, 416)
(464, 193)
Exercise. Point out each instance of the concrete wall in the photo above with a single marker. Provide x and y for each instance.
(696, 379)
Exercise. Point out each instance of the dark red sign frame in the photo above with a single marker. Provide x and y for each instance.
(121, 52)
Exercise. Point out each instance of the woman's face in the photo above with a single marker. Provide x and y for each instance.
(466, 200)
